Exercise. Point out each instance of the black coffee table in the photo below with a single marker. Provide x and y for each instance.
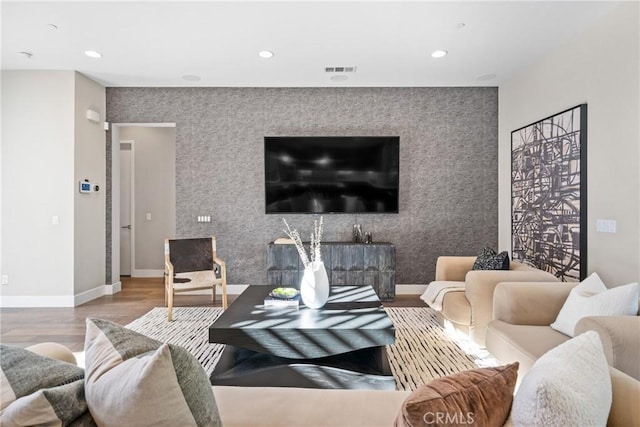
(341, 345)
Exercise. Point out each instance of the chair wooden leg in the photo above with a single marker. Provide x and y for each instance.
(224, 288)
(170, 303)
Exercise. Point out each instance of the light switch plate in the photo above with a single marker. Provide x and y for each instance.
(606, 225)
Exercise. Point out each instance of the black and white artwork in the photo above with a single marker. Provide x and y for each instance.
(548, 194)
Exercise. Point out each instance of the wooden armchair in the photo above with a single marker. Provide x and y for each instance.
(192, 264)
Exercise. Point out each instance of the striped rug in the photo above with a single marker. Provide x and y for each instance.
(423, 350)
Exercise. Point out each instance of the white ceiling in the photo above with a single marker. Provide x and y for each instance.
(153, 43)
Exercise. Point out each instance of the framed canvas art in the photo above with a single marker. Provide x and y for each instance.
(549, 194)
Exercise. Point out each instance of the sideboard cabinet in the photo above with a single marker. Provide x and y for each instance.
(354, 264)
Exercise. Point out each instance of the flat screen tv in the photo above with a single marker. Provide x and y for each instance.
(331, 174)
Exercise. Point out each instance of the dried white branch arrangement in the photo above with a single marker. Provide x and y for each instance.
(316, 238)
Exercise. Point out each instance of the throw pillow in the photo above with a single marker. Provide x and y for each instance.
(35, 389)
(490, 260)
(480, 397)
(132, 379)
(569, 385)
(592, 298)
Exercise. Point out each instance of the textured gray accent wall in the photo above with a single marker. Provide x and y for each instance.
(448, 165)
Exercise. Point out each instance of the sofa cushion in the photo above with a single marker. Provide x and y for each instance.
(479, 397)
(524, 343)
(132, 379)
(490, 260)
(35, 389)
(456, 308)
(592, 298)
(286, 407)
(568, 385)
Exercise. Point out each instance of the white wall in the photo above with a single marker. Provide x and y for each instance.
(155, 193)
(38, 183)
(600, 67)
(48, 146)
(90, 155)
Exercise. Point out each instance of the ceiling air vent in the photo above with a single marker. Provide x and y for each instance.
(340, 69)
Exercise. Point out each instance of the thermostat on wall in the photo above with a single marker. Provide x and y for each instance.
(85, 186)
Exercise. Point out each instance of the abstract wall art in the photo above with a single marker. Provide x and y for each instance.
(548, 194)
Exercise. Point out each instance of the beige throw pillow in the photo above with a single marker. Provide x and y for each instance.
(480, 397)
(133, 380)
(568, 386)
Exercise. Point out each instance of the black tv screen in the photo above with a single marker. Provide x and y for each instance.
(331, 174)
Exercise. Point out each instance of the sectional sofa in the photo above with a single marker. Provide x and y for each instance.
(523, 313)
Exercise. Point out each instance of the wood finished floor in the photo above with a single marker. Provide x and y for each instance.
(27, 326)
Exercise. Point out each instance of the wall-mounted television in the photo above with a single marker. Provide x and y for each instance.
(331, 174)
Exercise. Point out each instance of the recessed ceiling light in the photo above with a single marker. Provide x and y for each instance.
(191, 78)
(27, 55)
(439, 53)
(93, 54)
(265, 54)
(52, 26)
(461, 25)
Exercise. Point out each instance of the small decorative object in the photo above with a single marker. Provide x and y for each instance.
(282, 298)
(314, 287)
(368, 238)
(357, 233)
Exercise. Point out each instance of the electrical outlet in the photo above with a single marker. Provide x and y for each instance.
(5, 279)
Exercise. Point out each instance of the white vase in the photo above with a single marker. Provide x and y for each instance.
(314, 288)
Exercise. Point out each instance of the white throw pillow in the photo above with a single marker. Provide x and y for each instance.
(568, 386)
(592, 298)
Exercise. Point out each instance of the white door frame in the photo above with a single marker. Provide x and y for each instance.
(132, 205)
(115, 192)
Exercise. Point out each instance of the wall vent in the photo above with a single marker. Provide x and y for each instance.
(340, 69)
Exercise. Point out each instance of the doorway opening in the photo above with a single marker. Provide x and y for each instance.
(142, 197)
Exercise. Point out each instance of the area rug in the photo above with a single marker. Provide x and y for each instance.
(422, 352)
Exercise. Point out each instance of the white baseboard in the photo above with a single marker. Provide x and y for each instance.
(89, 295)
(36, 301)
(84, 297)
(147, 273)
(231, 290)
(113, 288)
(410, 289)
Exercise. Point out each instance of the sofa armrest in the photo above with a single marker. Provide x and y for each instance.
(620, 336)
(54, 351)
(625, 410)
(530, 303)
(453, 268)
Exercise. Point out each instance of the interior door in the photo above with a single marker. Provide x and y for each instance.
(126, 221)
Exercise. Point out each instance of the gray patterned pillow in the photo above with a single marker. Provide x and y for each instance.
(35, 389)
(132, 380)
(490, 260)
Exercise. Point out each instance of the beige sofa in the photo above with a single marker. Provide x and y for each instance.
(288, 407)
(470, 310)
(520, 332)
